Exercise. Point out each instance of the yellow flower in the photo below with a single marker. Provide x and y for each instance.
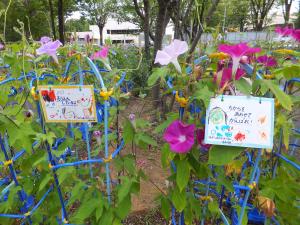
(2, 78)
(284, 51)
(269, 76)
(219, 55)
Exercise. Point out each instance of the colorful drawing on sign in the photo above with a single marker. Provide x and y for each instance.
(68, 103)
(240, 121)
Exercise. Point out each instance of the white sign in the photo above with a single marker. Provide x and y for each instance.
(240, 121)
(68, 103)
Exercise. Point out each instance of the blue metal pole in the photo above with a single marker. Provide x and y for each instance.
(256, 165)
(85, 126)
(106, 148)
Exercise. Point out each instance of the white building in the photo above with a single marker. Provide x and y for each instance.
(118, 33)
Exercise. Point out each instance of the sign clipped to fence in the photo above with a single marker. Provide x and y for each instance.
(63, 104)
(240, 121)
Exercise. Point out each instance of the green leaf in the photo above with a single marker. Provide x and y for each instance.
(165, 207)
(45, 181)
(166, 155)
(123, 208)
(159, 129)
(129, 132)
(283, 98)
(156, 74)
(220, 155)
(289, 71)
(243, 86)
(203, 94)
(141, 137)
(124, 189)
(179, 199)
(183, 174)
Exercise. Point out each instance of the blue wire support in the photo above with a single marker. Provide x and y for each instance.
(85, 125)
(51, 164)
(251, 182)
(9, 163)
(29, 213)
(106, 106)
(288, 161)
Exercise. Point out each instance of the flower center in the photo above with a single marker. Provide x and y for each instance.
(182, 138)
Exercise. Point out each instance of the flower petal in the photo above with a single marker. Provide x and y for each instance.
(162, 58)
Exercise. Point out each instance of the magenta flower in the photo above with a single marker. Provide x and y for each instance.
(226, 76)
(267, 61)
(170, 54)
(180, 136)
(45, 40)
(200, 134)
(236, 52)
(103, 53)
(50, 49)
(296, 35)
(103, 56)
(283, 31)
(1, 46)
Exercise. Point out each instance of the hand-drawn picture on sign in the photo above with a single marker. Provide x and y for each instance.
(240, 121)
(68, 103)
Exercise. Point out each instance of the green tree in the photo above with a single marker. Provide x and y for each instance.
(97, 12)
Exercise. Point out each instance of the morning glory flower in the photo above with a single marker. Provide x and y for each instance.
(50, 49)
(283, 31)
(103, 56)
(200, 134)
(103, 53)
(180, 136)
(226, 76)
(45, 40)
(170, 54)
(296, 35)
(237, 52)
(267, 61)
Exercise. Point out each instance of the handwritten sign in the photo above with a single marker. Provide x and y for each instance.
(240, 121)
(62, 104)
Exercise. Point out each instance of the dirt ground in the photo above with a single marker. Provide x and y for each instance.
(149, 161)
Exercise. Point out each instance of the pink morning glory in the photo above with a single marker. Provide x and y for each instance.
(180, 136)
(200, 133)
(50, 49)
(45, 40)
(103, 56)
(283, 31)
(170, 54)
(296, 35)
(227, 74)
(236, 52)
(267, 61)
(103, 53)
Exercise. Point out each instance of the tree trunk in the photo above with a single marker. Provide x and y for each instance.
(147, 30)
(52, 19)
(60, 13)
(287, 6)
(101, 27)
(159, 34)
